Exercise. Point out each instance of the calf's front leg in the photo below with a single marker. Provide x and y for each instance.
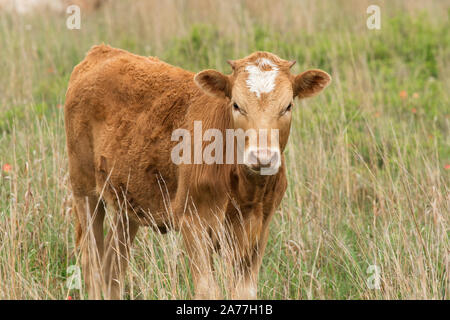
(249, 232)
(197, 225)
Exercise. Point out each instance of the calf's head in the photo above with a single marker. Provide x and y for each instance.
(259, 94)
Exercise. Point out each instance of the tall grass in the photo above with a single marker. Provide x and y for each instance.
(367, 162)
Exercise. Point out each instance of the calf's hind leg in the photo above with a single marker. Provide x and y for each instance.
(90, 214)
(117, 252)
(89, 210)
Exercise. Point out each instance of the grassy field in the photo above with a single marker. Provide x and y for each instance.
(368, 160)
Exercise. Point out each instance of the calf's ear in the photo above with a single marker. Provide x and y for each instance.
(213, 83)
(309, 83)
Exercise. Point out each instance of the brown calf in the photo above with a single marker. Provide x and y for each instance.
(121, 112)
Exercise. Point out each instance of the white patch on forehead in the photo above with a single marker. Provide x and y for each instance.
(261, 81)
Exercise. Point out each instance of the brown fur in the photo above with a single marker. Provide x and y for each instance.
(120, 112)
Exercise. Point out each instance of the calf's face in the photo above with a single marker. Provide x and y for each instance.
(260, 94)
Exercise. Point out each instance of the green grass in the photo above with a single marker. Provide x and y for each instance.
(368, 183)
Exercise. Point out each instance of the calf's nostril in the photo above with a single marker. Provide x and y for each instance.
(274, 157)
(268, 158)
(253, 157)
(262, 158)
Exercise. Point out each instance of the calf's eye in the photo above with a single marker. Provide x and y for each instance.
(287, 109)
